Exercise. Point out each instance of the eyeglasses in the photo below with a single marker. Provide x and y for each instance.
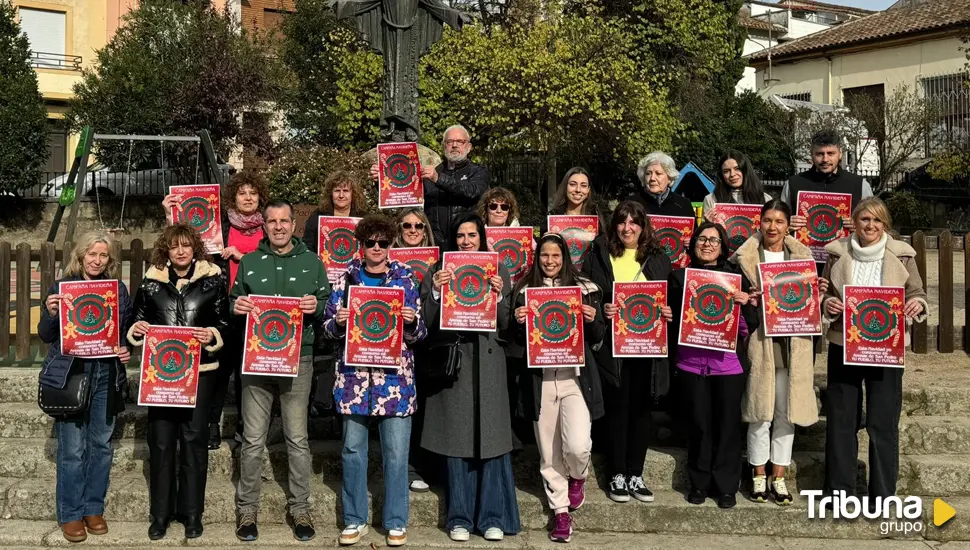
(409, 226)
(713, 241)
(456, 142)
(383, 243)
(498, 206)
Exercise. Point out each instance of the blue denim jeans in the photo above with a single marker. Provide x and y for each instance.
(483, 491)
(395, 434)
(84, 452)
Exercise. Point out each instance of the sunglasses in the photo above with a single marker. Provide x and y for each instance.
(383, 243)
(409, 226)
(496, 206)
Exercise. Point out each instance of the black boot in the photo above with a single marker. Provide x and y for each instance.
(215, 436)
(158, 528)
(193, 527)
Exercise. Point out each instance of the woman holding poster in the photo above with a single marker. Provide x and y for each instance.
(736, 183)
(467, 420)
(712, 380)
(562, 402)
(383, 394)
(181, 289)
(84, 452)
(781, 384)
(871, 258)
(628, 253)
(575, 197)
(343, 197)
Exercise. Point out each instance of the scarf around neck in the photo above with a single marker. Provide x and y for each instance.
(247, 224)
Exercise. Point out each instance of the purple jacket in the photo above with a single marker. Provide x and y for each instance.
(707, 362)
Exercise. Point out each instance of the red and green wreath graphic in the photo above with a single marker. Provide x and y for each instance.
(172, 359)
(739, 230)
(824, 223)
(377, 321)
(875, 320)
(555, 321)
(198, 212)
(710, 304)
(470, 285)
(639, 314)
(513, 255)
(341, 246)
(790, 292)
(400, 170)
(274, 329)
(576, 241)
(420, 267)
(90, 314)
(671, 242)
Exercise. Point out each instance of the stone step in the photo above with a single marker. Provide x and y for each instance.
(127, 501)
(918, 435)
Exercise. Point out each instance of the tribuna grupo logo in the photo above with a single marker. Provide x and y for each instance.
(902, 515)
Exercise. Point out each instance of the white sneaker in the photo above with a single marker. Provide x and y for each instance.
(397, 537)
(494, 534)
(419, 486)
(352, 534)
(459, 534)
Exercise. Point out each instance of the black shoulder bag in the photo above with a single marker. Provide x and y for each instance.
(440, 359)
(72, 399)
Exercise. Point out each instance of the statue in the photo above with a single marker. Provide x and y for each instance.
(402, 31)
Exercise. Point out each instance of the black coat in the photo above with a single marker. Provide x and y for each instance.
(456, 192)
(600, 270)
(673, 205)
(201, 302)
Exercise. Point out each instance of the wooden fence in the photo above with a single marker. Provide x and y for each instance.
(22, 347)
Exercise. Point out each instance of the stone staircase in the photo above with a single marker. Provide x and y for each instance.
(934, 462)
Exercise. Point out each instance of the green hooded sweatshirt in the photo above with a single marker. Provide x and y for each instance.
(297, 273)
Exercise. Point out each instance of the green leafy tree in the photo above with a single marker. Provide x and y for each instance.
(298, 173)
(174, 68)
(23, 116)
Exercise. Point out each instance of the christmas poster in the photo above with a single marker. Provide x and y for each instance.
(790, 298)
(709, 317)
(400, 172)
(89, 318)
(578, 231)
(375, 329)
(274, 332)
(823, 213)
(739, 220)
(419, 259)
(515, 248)
(874, 327)
(199, 207)
(673, 234)
(170, 360)
(554, 323)
(639, 329)
(336, 244)
(468, 302)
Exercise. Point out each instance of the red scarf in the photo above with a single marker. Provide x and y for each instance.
(247, 224)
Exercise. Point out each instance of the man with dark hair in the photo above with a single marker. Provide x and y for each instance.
(280, 266)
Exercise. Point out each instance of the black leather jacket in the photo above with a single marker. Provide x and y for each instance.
(202, 302)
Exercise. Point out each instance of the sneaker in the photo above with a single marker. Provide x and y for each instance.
(246, 530)
(639, 490)
(577, 493)
(618, 492)
(696, 496)
(759, 488)
(215, 437)
(419, 486)
(563, 528)
(351, 534)
(397, 537)
(494, 534)
(726, 501)
(459, 534)
(779, 491)
(303, 527)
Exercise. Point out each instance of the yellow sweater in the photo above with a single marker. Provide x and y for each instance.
(626, 268)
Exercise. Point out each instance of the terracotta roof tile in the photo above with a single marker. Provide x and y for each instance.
(878, 26)
(749, 22)
(812, 5)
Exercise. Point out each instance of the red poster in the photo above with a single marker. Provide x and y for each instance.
(873, 326)
(170, 360)
(468, 302)
(336, 244)
(709, 316)
(400, 170)
(274, 332)
(375, 330)
(739, 220)
(419, 259)
(824, 213)
(555, 326)
(89, 318)
(639, 329)
(673, 233)
(791, 298)
(578, 231)
(515, 248)
(199, 207)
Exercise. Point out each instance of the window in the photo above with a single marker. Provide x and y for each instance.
(272, 20)
(951, 93)
(46, 30)
(801, 96)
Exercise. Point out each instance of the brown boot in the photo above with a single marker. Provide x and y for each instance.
(74, 531)
(96, 525)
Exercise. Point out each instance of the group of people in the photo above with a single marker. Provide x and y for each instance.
(456, 393)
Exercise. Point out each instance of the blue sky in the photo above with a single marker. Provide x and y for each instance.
(866, 4)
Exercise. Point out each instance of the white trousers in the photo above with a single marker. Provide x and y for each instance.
(773, 440)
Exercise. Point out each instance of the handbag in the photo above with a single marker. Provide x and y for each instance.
(71, 400)
(442, 359)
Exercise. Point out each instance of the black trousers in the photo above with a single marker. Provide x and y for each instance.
(843, 406)
(230, 361)
(183, 432)
(628, 418)
(712, 411)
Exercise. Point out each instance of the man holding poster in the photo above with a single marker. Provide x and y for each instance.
(281, 266)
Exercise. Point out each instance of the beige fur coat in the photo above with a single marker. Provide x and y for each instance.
(758, 404)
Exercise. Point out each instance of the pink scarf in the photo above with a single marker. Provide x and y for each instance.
(247, 224)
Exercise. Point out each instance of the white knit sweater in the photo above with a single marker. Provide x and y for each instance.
(867, 261)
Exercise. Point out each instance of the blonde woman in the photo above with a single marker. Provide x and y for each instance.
(498, 208)
(414, 229)
(84, 450)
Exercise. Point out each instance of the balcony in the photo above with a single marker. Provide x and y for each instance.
(56, 61)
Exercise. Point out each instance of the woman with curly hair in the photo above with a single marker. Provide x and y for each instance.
(498, 208)
(342, 196)
(181, 289)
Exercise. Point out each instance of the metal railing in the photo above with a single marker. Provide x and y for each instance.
(59, 61)
(874, 178)
(107, 186)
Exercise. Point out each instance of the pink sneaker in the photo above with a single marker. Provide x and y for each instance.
(562, 529)
(577, 493)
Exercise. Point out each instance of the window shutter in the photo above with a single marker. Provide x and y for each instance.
(46, 30)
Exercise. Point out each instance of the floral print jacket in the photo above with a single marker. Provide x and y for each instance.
(376, 391)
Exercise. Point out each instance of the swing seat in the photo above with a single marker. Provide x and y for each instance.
(116, 231)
